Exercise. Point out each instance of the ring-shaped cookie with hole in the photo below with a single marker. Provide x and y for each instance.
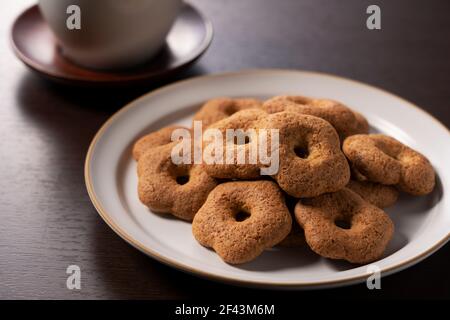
(166, 187)
(305, 149)
(221, 108)
(241, 219)
(233, 159)
(346, 121)
(385, 160)
(310, 158)
(342, 225)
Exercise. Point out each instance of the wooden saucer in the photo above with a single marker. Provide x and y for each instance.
(35, 45)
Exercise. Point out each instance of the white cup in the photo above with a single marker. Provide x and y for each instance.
(114, 33)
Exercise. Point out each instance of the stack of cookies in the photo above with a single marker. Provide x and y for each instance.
(331, 181)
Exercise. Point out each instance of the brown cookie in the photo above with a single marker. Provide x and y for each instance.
(310, 158)
(154, 139)
(342, 225)
(169, 188)
(295, 238)
(346, 121)
(379, 195)
(221, 108)
(241, 219)
(362, 125)
(383, 159)
(242, 120)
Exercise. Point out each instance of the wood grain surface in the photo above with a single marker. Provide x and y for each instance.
(47, 221)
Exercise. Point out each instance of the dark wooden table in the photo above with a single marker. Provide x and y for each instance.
(47, 221)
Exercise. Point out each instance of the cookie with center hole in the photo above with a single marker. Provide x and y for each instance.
(342, 225)
(383, 159)
(241, 219)
(166, 187)
(304, 151)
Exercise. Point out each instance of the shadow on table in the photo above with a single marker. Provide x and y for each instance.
(67, 118)
(36, 90)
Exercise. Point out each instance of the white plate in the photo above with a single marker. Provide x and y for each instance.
(422, 223)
